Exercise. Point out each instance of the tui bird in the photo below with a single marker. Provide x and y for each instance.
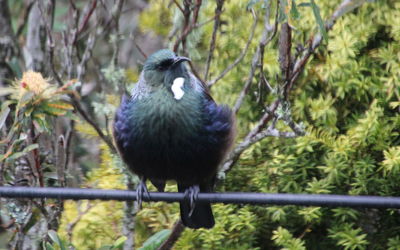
(171, 129)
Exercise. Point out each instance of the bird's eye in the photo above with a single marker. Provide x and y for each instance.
(165, 64)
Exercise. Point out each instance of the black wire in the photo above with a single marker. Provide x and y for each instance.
(236, 198)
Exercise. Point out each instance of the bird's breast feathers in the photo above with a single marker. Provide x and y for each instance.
(173, 110)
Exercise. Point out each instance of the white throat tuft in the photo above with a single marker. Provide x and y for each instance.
(177, 88)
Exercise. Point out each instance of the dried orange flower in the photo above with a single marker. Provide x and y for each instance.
(32, 81)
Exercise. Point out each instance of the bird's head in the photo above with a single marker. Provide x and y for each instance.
(163, 67)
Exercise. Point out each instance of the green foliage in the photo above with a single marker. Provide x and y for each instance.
(285, 239)
(347, 237)
(57, 242)
(94, 217)
(348, 101)
(235, 229)
(318, 19)
(394, 243)
(36, 102)
(156, 240)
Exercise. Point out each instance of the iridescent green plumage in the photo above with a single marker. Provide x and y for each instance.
(162, 137)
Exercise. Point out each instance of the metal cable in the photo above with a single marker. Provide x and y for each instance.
(236, 198)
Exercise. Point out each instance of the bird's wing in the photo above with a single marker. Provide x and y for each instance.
(140, 89)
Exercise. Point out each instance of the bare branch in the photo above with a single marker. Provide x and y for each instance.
(198, 25)
(116, 13)
(245, 144)
(188, 25)
(71, 225)
(140, 50)
(285, 45)
(85, 116)
(254, 62)
(81, 68)
(60, 160)
(217, 23)
(179, 6)
(242, 54)
(85, 21)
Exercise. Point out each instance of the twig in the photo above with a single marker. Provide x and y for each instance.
(81, 68)
(268, 115)
(285, 45)
(85, 116)
(116, 13)
(71, 225)
(194, 71)
(60, 160)
(242, 54)
(85, 21)
(249, 139)
(140, 50)
(254, 62)
(217, 23)
(179, 6)
(198, 25)
(263, 79)
(36, 158)
(187, 26)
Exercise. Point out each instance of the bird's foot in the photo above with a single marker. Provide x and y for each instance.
(192, 194)
(141, 190)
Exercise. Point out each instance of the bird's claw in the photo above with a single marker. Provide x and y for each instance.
(141, 190)
(192, 194)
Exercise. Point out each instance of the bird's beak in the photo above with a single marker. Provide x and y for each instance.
(179, 59)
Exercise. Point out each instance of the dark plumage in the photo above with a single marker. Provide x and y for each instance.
(171, 129)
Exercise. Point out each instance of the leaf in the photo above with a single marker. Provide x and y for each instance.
(53, 109)
(41, 125)
(319, 20)
(30, 148)
(54, 237)
(3, 115)
(12, 156)
(155, 241)
(48, 246)
(5, 91)
(294, 13)
(15, 155)
(26, 98)
(119, 242)
(51, 175)
(105, 247)
(60, 105)
(304, 5)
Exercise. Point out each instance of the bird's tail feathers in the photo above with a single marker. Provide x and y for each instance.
(200, 217)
